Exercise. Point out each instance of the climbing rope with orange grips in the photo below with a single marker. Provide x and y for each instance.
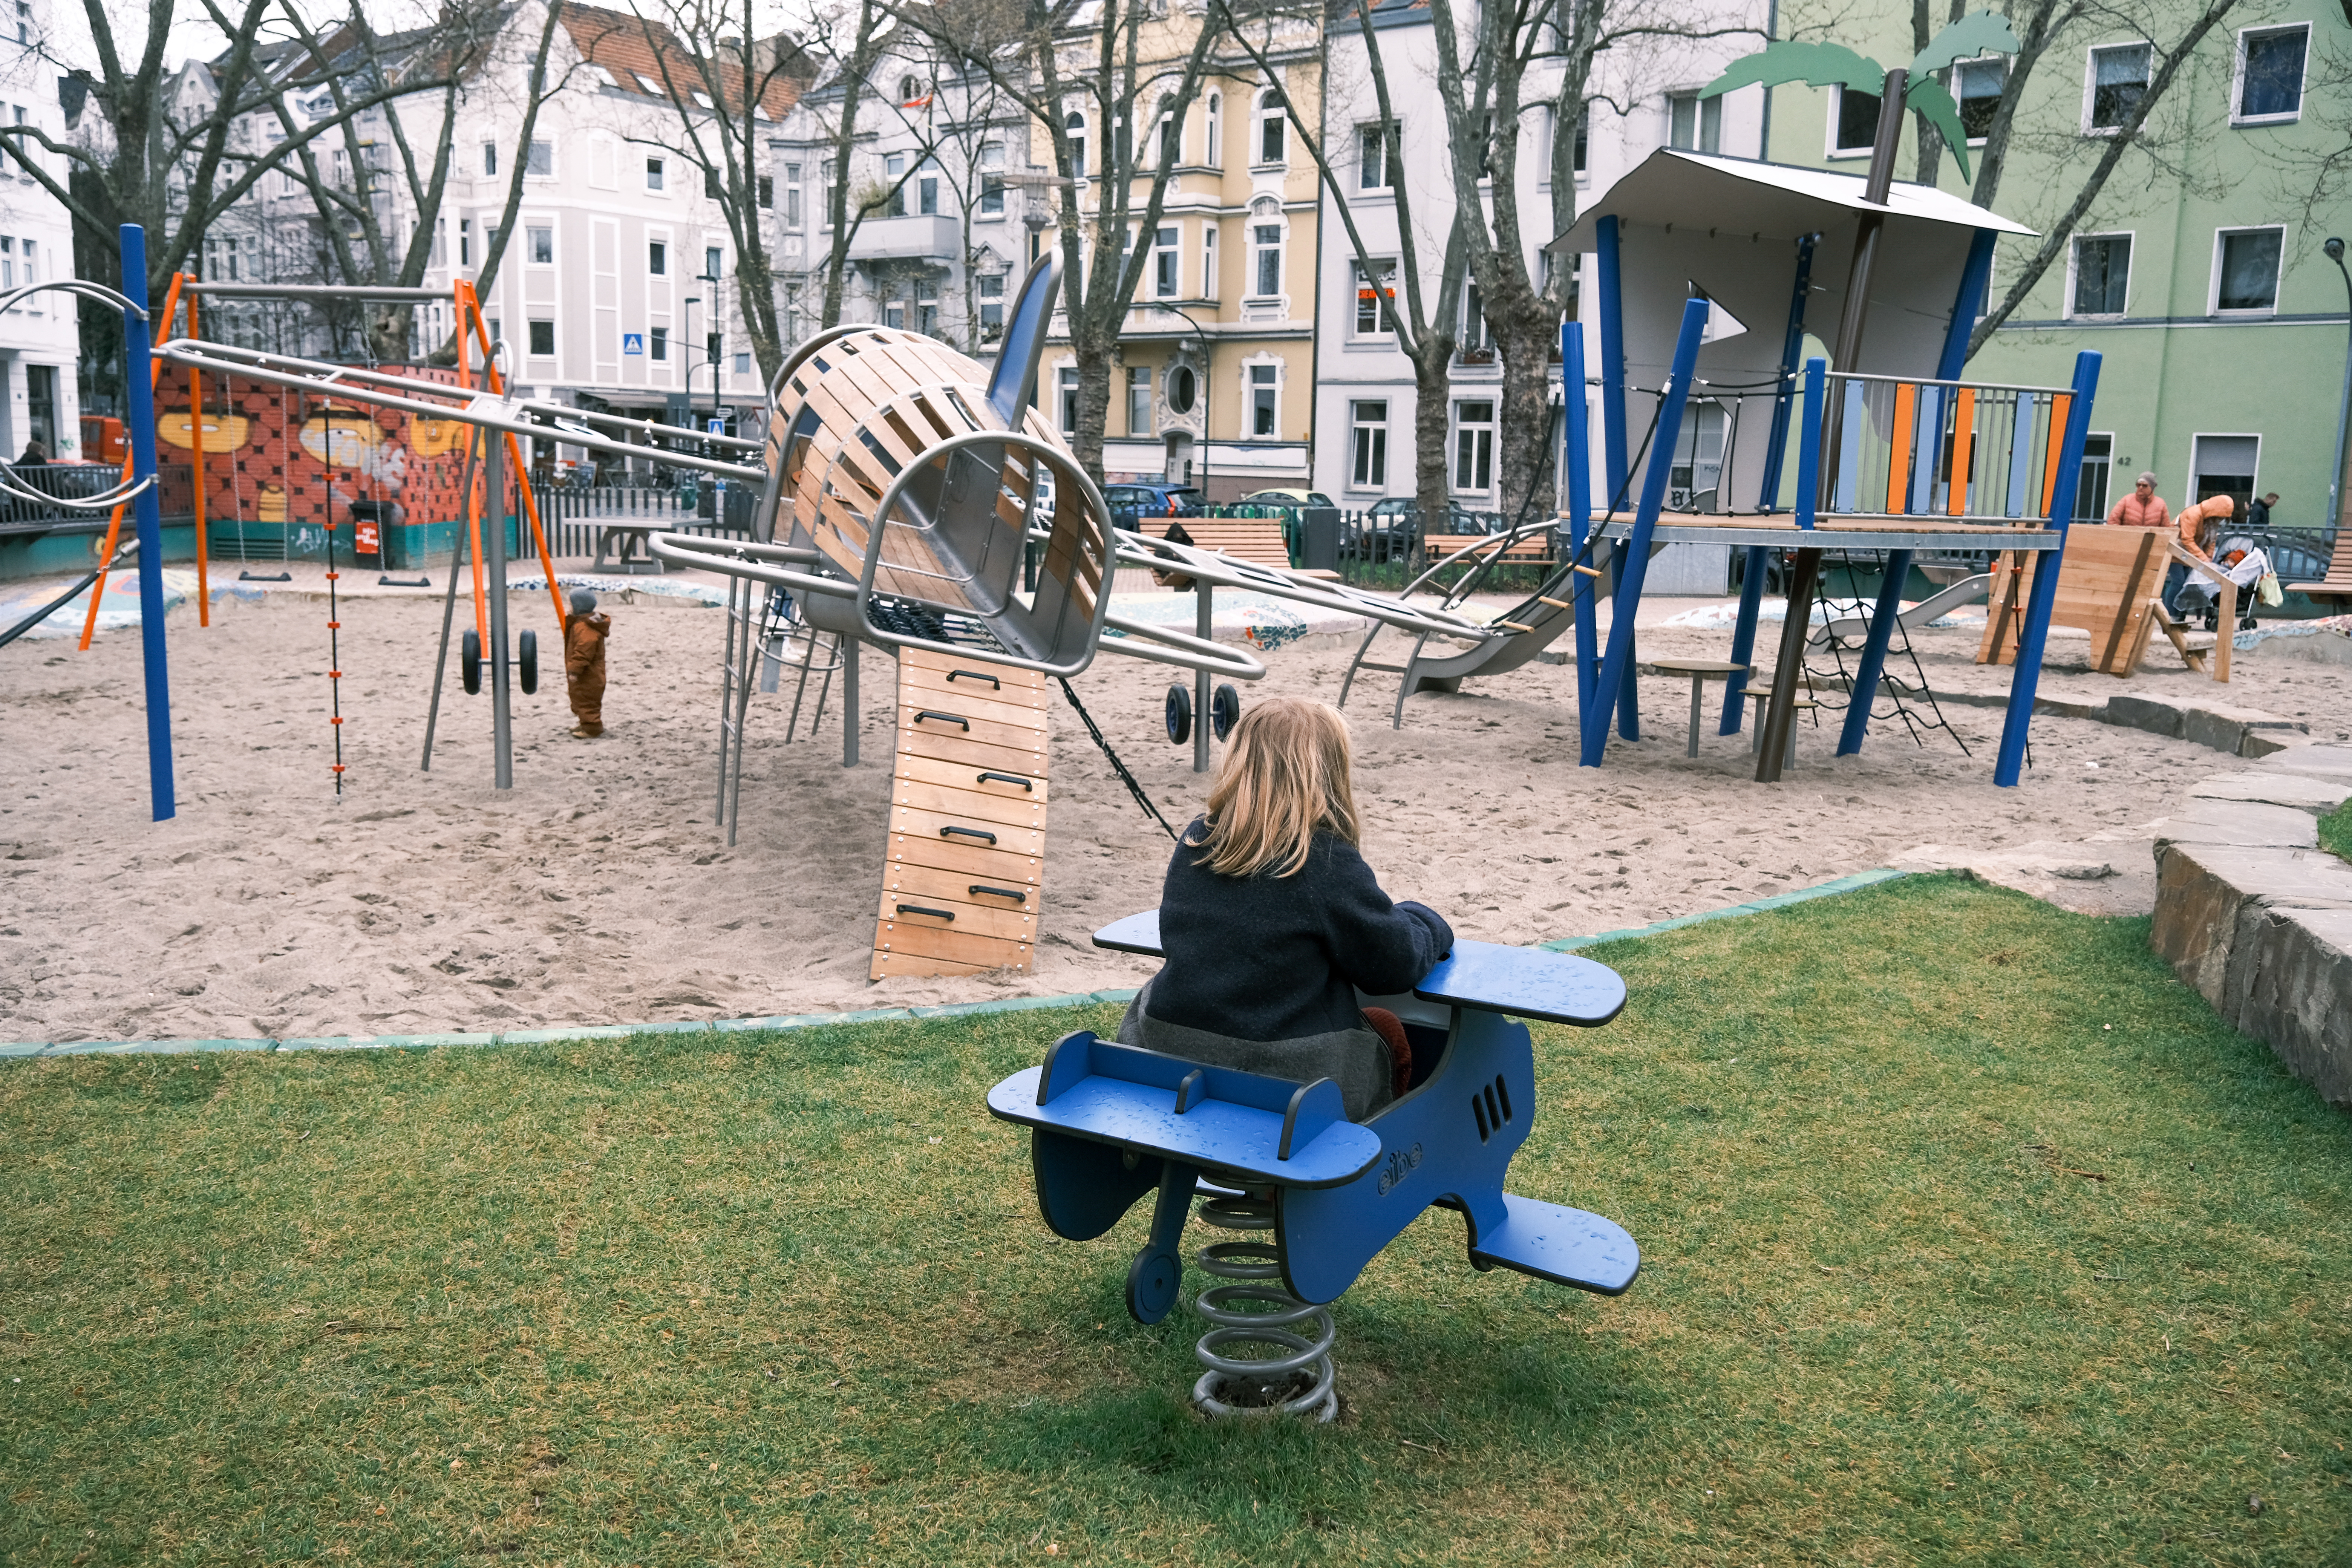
(334, 649)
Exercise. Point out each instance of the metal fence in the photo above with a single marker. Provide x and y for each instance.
(78, 481)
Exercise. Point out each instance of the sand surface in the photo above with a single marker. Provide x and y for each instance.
(600, 889)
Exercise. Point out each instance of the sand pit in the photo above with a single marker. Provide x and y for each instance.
(601, 890)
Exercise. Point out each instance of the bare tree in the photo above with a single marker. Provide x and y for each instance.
(2042, 25)
(1055, 52)
(723, 98)
(1485, 95)
(1425, 325)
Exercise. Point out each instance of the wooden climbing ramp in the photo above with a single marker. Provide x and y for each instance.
(962, 891)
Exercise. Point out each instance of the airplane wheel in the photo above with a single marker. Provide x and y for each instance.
(1151, 1285)
(1180, 715)
(1226, 710)
(469, 663)
(528, 657)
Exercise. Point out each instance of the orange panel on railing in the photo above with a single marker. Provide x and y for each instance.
(1898, 457)
(2059, 404)
(1964, 421)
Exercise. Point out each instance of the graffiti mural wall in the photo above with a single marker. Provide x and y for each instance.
(278, 464)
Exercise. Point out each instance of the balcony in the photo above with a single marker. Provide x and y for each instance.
(906, 238)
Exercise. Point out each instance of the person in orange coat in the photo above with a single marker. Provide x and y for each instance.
(2141, 509)
(2195, 522)
(584, 632)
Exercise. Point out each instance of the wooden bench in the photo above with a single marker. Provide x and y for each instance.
(1256, 540)
(1533, 550)
(2336, 587)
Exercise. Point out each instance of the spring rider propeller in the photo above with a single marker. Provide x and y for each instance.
(1316, 1196)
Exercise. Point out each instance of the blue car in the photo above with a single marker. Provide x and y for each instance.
(1132, 504)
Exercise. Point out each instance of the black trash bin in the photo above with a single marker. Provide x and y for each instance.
(1318, 538)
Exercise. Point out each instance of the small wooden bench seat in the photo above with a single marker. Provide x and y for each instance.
(1533, 550)
(1256, 540)
(2336, 586)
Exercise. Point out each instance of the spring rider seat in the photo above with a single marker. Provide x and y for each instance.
(1318, 1194)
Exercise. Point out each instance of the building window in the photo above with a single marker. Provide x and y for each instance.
(1584, 137)
(1164, 257)
(2091, 491)
(1270, 139)
(2118, 81)
(714, 264)
(655, 172)
(2249, 269)
(489, 159)
(1209, 261)
(2270, 72)
(658, 345)
(1183, 387)
(539, 244)
(657, 258)
(742, 363)
(1138, 400)
(540, 163)
(765, 190)
(894, 169)
(1066, 382)
(991, 306)
(1267, 239)
(1215, 144)
(1074, 130)
(465, 242)
(1376, 147)
(1368, 430)
(1473, 338)
(991, 179)
(1978, 85)
(1171, 141)
(1854, 122)
(1474, 447)
(894, 315)
(926, 307)
(1375, 299)
(542, 338)
(2102, 274)
(791, 195)
(1695, 124)
(1265, 406)
(927, 195)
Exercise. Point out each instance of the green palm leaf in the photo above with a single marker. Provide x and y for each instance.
(1978, 33)
(1931, 103)
(1817, 65)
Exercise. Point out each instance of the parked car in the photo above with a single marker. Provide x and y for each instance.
(1295, 499)
(1131, 504)
(1392, 527)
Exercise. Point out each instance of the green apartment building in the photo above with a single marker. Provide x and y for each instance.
(2197, 272)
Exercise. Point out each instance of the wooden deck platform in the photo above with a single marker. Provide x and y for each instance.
(1841, 530)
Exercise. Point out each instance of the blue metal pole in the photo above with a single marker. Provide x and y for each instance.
(148, 507)
(1767, 495)
(1634, 556)
(1873, 652)
(1579, 420)
(1743, 638)
(1613, 363)
(2045, 593)
(1809, 452)
(1975, 273)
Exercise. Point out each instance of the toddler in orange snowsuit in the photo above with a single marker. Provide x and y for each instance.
(584, 632)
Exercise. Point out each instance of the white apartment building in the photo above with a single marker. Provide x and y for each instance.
(944, 151)
(1364, 386)
(40, 340)
(616, 288)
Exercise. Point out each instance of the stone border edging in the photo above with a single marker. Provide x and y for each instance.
(2240, 732)
(29, 1050)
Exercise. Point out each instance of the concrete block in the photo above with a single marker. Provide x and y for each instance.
(2241, 822)
(2153, 714)
(2317, 796)
(2225, 728)
(2203, 889)
(2289, 986)
(2320, 760)
(2263, 744)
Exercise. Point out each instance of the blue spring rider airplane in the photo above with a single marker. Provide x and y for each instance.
(1280, 1160)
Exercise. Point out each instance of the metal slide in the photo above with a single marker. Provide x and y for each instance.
(1511, 639)
(1935, 607)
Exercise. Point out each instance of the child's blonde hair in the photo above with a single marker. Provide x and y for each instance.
(1285, 775)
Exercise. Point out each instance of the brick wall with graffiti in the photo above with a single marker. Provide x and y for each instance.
(278, 464)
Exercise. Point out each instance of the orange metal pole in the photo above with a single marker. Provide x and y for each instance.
(1964, 437)
(1899, 459)
(196, 471)
(470, 302)
(114, 524)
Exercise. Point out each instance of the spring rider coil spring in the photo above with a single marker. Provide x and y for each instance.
(1256, 1269)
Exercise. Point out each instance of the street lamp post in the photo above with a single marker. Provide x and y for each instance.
(1204, 612)
(2335, 251)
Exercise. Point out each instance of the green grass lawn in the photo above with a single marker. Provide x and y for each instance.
(2336, 831)
(1970, 1236)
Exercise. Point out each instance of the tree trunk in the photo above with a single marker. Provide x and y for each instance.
(1432, 386)
(1524, 337)
(1092, 351)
